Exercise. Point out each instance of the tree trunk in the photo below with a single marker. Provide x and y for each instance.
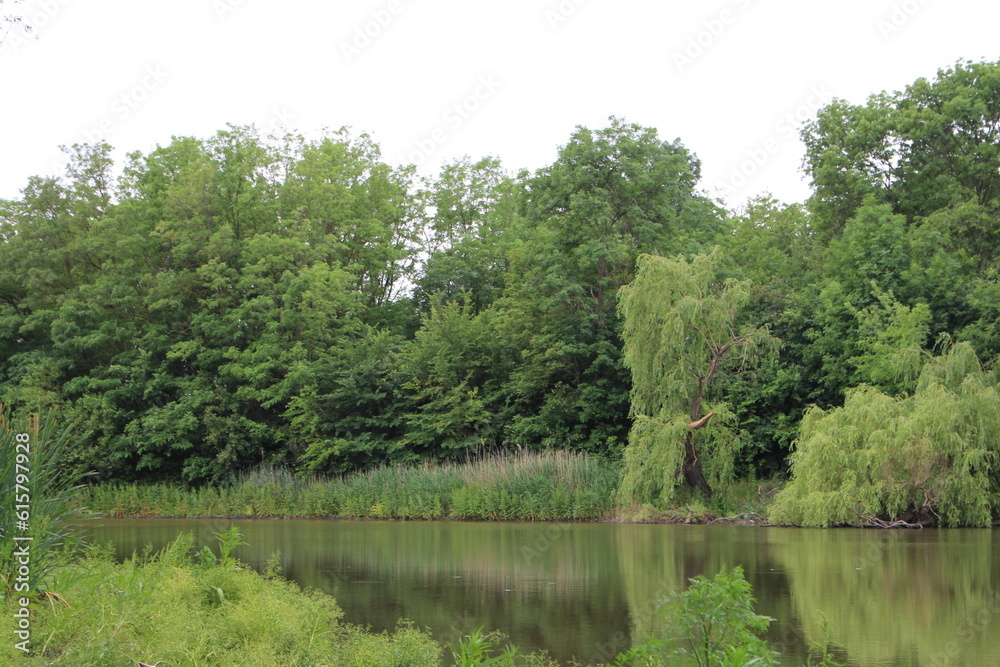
(693, 475)
(692, 467)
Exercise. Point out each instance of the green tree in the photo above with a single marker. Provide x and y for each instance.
(58, 314)
(925, 456)
(612, 194)
(775, 247)
(351, 410)
(681, 332)
(455, 369)
(354, 210)
(183, 316)
(474, 208)
(890, 345)
(926, 148)
(871, 255)
(906, 201)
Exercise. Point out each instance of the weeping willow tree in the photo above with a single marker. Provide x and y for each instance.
(682, 333)
(927, 457)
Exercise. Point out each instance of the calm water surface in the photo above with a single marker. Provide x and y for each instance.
(586, 591)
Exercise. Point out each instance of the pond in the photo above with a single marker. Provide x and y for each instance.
(585, 591)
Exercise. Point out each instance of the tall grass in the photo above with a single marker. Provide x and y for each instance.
(42, 493)
(181, 608)
(553, 485)
(524, 486)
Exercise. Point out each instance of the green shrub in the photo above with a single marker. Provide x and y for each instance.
(710, 624)
(480, 649)
(166, 607)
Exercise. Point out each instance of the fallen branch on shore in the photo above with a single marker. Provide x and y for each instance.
(882, 523)
(740, 517)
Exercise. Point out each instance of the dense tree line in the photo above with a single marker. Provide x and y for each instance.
(239, 300)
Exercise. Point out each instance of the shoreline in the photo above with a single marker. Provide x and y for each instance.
(693, 521)
(672, 521)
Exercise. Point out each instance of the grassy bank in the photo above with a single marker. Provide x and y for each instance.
(178, 607)
(525, 487)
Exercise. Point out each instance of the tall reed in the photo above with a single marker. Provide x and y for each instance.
(41, 501)
(515, 486)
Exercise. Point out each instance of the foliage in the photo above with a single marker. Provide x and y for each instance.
(891, 342)
(711, 623)
(921, 150)
(612, 194)
(239, 301)
(528, 486)
(927, 456)
(549, 486)
(474, 650)
(164, 608)
(229, 539)
(350, 413)
(479, 649)
(681, 331)
(826, 657)
(242, 300)
(475, 208)
(871, 255)
(775, 247)
(455, 366)
(41, 491)
(906, 201)
(180, 320)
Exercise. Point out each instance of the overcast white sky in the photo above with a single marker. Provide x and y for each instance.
(730, 78)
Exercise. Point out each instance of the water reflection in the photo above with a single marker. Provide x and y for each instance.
(897, 598)
(585, 591)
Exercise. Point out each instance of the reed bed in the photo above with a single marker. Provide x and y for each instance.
(523, 486)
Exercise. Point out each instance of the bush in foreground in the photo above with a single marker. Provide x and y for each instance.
(712, 623)
(185, 610)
